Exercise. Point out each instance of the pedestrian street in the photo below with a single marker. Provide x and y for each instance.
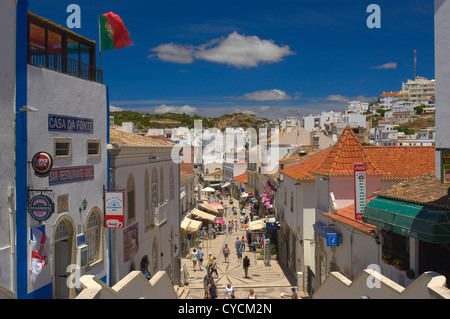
(268, 281)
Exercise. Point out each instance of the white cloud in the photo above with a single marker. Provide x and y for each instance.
(175, 109)
(175, 53)
(235, 50)
(337, 98)
(389, 65)
(242, 51)
(267, 95)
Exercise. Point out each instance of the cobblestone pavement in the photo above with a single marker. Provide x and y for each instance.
(267, 281)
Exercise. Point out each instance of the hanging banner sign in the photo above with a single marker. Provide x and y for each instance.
(41, 207)
(360, 189)
(445, 167)
(114, 209)
(42, 163)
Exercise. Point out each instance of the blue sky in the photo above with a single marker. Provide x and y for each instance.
(271, 58)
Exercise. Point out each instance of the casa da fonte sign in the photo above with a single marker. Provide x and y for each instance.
(70, 124)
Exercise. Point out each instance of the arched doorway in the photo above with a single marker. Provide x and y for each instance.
(63, 257)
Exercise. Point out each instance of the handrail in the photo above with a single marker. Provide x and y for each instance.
(62, 64)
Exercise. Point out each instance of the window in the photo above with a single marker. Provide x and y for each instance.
(93, 231)
(93, 149)
(161, 186)
(171, 184)
(155, 255)
(292, 202)
(147, 200)
(131, 199)
(154, 200)
(62, 149)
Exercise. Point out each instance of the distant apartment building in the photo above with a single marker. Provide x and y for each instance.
(388, 99)
(420, 90)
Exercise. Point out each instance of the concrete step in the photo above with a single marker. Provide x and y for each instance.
(182, 292)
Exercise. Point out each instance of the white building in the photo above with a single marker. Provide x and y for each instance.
(144, 169)
(388, 99)
(55, 106)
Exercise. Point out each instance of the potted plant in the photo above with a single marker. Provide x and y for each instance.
(410, 273)
(398, 263)
(387, 259)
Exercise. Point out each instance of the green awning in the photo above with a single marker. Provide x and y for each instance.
(423, 222)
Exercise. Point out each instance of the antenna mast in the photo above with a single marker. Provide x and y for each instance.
(415, 63)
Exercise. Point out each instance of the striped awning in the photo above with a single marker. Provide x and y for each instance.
(426, 223)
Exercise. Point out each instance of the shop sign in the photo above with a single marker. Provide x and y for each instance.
(42, 163)
(61, 175)
(445, 167)
(114, 209)
(41, 207)
(360, 189)
(330, 235)
(332, 240)
(70, 124)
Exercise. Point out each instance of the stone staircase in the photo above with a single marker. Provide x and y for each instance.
(182, 292)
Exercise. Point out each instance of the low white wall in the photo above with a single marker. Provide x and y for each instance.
(132, 286)
(373, 285)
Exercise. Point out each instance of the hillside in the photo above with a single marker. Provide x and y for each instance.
(144, 121)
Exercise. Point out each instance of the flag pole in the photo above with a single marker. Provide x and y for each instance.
(100, 43)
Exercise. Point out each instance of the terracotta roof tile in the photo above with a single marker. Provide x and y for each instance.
(344, 154)
(241, 178)
(347, 216)
(393, 162)
(121, 138)
(302, 169)
(425, 190)
(400, 162)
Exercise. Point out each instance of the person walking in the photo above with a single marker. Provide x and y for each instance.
(200, 258)
(144, 266)
(214, 266)
(237, 244)
(246, 264)
(225, 210)
(213, 290)
(194, 256)
(226, 253)
(229, 291)
(230, 227)
(206, 281)
(294, 293)
(252, 295)
(243, 243)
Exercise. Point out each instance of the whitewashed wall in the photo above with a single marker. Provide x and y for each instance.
(7, 105)
(54, 93)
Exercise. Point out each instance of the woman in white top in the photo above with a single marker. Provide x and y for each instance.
(252, 294)
(229, 292)
(194, 257)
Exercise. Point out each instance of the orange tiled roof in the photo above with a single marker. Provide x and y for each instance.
(302, 169)
(347, 215)
(344, 154)
(390, 93)
(394, 162)
(241, 178)
(400, 162)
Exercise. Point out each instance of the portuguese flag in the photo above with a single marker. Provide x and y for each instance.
(113, 34)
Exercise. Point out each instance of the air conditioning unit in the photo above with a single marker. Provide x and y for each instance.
(82, 256)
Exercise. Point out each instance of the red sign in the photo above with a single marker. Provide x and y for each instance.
(114, 209)
(42, 163)
(359, 171)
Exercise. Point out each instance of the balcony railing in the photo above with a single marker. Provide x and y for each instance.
(160, 217)
(62, 64)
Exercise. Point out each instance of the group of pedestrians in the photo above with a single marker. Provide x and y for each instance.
(212, 292)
